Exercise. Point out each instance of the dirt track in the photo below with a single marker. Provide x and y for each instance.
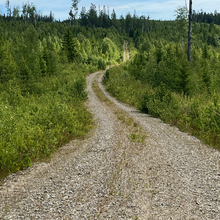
(126, 52)
(167, 175)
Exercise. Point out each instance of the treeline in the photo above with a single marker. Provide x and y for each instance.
(93, 17)
(97, 17)
(159, 80)
(28, 13)
(203, 17)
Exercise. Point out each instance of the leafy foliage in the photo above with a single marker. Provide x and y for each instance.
(159, 81)
(42, 86)
(34, 125)
(43, 66)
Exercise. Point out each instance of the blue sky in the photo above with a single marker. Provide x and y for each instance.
(157, 9)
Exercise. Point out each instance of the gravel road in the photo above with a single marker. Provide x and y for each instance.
(168, 175)
(126, 55)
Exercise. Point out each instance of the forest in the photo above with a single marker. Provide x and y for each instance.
(44, 62)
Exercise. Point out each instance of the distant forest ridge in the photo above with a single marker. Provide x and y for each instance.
(203, 17)
(94, 17)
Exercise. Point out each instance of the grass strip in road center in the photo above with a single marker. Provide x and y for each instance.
(136, 132)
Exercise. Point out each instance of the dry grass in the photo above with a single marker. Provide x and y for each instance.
(135, 130)
(125, 150)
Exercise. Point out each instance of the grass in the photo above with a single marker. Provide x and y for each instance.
(122, 161)
(137, 138)
(137, 135)
(122, 116)
(99, 92)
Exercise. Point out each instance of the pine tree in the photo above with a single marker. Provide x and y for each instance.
(92, 16)
(8, 67)
(16, 11)
(71, 46)
(190, 31)
(8, 8)
(113, 18)
(84, 17)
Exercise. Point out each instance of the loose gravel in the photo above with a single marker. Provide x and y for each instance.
(170, 175)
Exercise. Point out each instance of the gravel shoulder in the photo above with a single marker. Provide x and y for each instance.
(113, 174)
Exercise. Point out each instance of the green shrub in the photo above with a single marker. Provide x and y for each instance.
(198, 115)
(34, 124)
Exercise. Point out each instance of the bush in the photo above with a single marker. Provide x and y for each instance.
(34, 125)
(198, 115)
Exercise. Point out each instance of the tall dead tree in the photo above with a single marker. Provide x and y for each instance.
(190, 31)
(74, 12)
(8, 9)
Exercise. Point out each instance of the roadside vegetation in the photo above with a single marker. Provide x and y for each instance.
(43, 64)
(159, 81)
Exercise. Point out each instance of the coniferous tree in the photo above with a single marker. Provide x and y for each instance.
(71, 46)
(16, 11)
(24, 11)
(190, 31)
(114, 18)
(92, 16)
(84, 17)
(128, 22)
(71, 16)
(8, 8)
(8, 67)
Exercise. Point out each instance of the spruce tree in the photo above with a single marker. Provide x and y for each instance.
(8, 67)
(71, 46)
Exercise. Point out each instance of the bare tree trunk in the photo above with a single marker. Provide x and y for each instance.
(75, 26)
(182, 40)
(190, 31)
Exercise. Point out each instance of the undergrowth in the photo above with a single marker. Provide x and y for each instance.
(34, 124)
(198, 115)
